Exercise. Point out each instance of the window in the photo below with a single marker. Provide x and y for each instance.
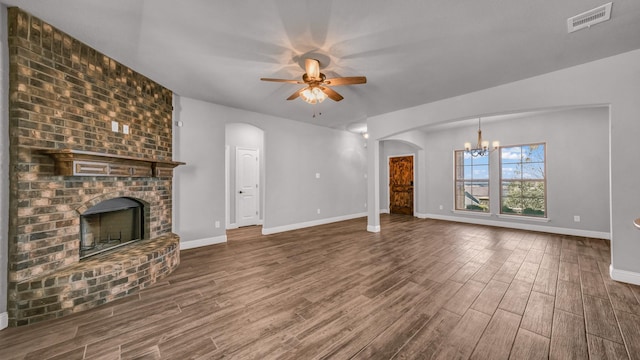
(523, 180)
(472, 182)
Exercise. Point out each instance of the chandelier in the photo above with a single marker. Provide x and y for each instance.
(482, 147)
(313, 95)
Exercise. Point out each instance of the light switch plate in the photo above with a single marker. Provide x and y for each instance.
(125, 129)
(114, 126)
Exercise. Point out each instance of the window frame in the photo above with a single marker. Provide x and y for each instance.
(462, 181)
(523, 180)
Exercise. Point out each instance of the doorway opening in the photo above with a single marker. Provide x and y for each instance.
(401, 183)
(244, 175)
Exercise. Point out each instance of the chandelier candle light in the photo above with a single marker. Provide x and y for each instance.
(482, 147)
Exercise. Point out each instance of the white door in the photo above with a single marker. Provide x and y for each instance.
(247, 178)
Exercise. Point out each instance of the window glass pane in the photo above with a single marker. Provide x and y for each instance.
(533, 153)
(481, 172)
(510, 155)
(476, 196)
(468, 171)
(480, 160)
(511, 171)
(533, 170)
(472, 182)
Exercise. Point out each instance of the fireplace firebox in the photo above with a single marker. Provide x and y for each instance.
(110, 224)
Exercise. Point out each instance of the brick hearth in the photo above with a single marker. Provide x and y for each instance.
(64, 95)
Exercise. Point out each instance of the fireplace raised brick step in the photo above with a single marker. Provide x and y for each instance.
(96, 281)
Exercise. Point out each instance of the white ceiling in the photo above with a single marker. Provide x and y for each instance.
(412, 51)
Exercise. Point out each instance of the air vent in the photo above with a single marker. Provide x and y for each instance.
(589, 18)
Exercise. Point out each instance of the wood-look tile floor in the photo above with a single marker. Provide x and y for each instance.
(420, 289)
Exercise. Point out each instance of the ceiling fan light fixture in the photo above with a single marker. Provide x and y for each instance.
(313, 95)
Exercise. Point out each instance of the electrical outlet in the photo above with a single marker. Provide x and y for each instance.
(365, 204)
(318, 211)
(441, 207)
(318, 177)
(576, 218)
(217, 224)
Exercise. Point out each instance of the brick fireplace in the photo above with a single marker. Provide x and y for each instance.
(65, 160)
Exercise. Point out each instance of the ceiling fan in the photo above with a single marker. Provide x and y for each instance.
(317, 87)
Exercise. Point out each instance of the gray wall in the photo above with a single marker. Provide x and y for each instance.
(293, 153)
(243, 136)
(577, 143)
(4, 161)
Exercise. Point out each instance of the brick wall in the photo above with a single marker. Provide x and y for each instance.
(64, 95)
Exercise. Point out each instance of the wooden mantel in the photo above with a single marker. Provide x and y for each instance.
(69, 162)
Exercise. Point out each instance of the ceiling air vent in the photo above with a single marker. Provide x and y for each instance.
(589, 18)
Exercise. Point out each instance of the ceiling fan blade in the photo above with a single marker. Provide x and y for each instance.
(350, 80)
(332, 94)
(296, 94)
(312, 66)
(283, 80)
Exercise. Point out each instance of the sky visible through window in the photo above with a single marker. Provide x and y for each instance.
(523, 162)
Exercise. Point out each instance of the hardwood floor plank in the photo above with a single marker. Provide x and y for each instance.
(463, 299)
(630, 327)
(534, 256)
(427, 339)
(488, 300)
(461, 341)
(546, 281)
(569, 272)
(516, 298)
(587, 263)
(600, 348)
(507, 272)
(569, 297)
(538, 316)
(593, 285)
(600, 319)
(486, 272)
(568, 337)
(527, 272)
(622, 297)
(466, 272)
(529, 346)
(498, 337)
(421, 289)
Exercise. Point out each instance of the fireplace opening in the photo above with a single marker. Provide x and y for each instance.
(110, 224)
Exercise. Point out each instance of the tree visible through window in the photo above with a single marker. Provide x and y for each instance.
(472, 182)
(523, 180)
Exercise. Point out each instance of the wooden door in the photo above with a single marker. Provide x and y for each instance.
(247, 175)
(401, 185)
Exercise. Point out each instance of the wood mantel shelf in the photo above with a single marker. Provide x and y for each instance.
(69, 162)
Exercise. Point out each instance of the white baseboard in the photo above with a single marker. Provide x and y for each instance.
(624, 275)
(232, 226)
(421, 215)
(4, 320)
(202, 242)
(278, 229)
(521, 226)
(384, 211)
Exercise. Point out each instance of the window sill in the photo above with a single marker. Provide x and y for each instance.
(472, 213)
(523, 217)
